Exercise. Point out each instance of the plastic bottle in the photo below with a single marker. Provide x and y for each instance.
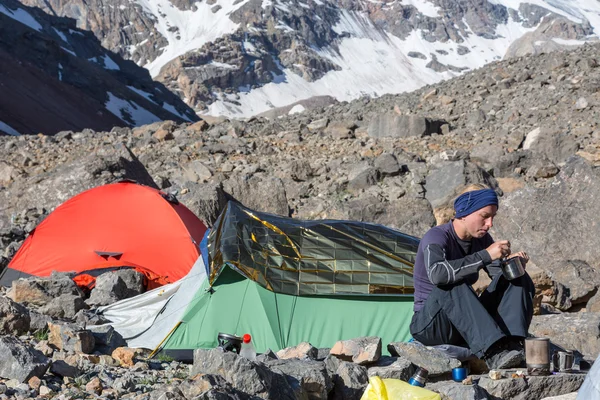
(248, 350)
(419, 378)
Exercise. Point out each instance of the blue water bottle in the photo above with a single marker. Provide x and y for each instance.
(419, 378)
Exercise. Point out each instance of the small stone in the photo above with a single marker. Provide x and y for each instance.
(94, 386)
(495, 374)
(581, 103)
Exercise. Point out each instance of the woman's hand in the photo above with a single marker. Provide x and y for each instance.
(523, 256)
(499, 249)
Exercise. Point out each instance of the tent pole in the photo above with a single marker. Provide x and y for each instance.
(162, 341)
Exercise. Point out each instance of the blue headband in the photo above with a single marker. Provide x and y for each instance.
(469, 202)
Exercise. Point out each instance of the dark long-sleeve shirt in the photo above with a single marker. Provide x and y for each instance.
(443, 258)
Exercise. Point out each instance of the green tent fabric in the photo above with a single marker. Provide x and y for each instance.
(287, 281)
(238, 305)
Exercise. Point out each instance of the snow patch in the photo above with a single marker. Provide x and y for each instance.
(174, 111)
(22, 16)
(568, 42)
(7, 128)
(297, 109)
(109, 63)
(424, 7)
(60, 67)
(195, 28)
(62, 35)
(68, 51)
(121, 108)
(142, 93)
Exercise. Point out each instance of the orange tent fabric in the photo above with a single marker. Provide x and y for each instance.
(119, 224)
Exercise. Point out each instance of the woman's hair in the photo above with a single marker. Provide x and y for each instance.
(446, 213)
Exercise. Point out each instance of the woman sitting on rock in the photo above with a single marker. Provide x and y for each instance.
(447, 310)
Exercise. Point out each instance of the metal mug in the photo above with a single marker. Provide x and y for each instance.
(537, 356)
(563, 361)
(512, 268)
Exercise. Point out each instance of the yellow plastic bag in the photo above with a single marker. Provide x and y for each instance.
(395, 389)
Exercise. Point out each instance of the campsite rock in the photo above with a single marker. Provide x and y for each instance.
(251, 191)
(206, 200)
(19, 361)
(64, 306)
(387, 165)
(442, 183)
(304, 350)
(63, 369)
(201, 384)
(364, 350)
(70, 337)
(435, 361)
(569, 200)
(572, 331)
(94, 386)
(266, 356)
(87, 317)
(116, 285)
(308, 379)
(45, 348)
(107, 339)
(252, 378)
(534, 387)
(124, 355)
(392, 367)
(38, 321)
(14, 318)
(393, 125)
(39, 291)
(349, 380)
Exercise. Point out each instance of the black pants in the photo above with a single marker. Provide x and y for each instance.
(453, 314)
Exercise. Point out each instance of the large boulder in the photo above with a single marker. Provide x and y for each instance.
(261, 193)
(305, 377)
(40, 291)
(19, 361)
(14, 318)
(401, 126)
(557, 224)
(434, 361)
(249, 377)
(116, 285)
(70, 337)
(363, 350)
(572, 331)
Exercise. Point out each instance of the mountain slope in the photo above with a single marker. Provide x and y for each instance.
(241, 58)
(56, 77)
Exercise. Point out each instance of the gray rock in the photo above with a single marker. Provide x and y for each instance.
(401, 126)
(572, 331)
(392, 367)
(387, 165)
(64, 306)
(70, 337)
(116, 285)
(252, 378)
(363, 350)
(106, 339)
(434, 361)
(63, 369)
(305, 377)
(365, 179)
(350, 381)
(251, 192)
(197, 172)
(19, 361)
(14, 318)
(304, 350)
(553, 144)
(545, 221)
(206, 200)
(443, 182)
(40, 291)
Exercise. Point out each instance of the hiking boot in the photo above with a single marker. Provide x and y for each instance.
(505, 358)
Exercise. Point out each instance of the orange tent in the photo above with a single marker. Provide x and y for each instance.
(112, 226)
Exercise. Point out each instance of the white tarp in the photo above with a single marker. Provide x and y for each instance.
(590, 390)
(145, 320)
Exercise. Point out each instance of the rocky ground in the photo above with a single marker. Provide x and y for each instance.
(526, 126)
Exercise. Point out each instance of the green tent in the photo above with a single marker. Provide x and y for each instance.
(286, 281)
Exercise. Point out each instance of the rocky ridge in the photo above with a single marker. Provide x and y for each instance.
(526, 126)
(57, 77)
(277, 42)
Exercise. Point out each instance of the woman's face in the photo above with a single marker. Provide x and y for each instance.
(477, 224)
